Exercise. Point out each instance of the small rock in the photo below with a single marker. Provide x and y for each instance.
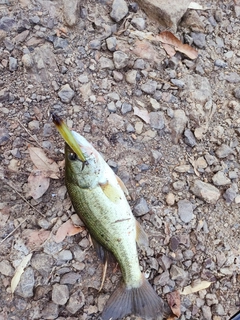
(206, 311)
(26, 284)
(34, 20)
(13, 64)
(83, 78)
(106, 63)
(177, 273)
(139, 23)
(118, 76)
(199, 39)
(75, 302)
(157, 120)
(119, 10)
(47, 129)
(170, 199)
(185, 210)
(95, 44)
(229, 195)
(111, 107)
(140, 207)
(70, 12)
(60, 43)
(6, 268)
(111, 43)
(149, 87)
(201, 163)
(42, 263)
(131, 76)
(65, 255)
(179, 83)
(219, 179)
(33, 125)
(233, 77)
(60, 294)
(174, 243)
(120, 59)
(4, 95)
(114, 96)
(4, 136)
(126, 107)
(66, 93)
(205, 191)
(178, 185)
(189, 138)
(27, 61)
(220, 63)
(218, 309)
(162, 279)
(223, 151)
(178, 124)
(50, 311)
(139, 64)
(3, 35)
(236, 92)
(155, 104)
(70, 278)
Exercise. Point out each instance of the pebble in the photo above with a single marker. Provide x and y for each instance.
(126, 107)
(65, 255)
(162, 279)
(140, 207)
(6, 268)
(236, 92)
(174, 243)
(50, 311)
(185, 210)
(70, 12)
(119, 10)
(13, 64)
(111, 107)
(206, 311)
(60, 294)
(26, 283)
(138, 23)
(120, 59)
(220, 63)
(189, 138)
(139, 64)
(27, 61)
(155, 104)
(76, 301)
(177, 273)
(149, 87)
(220, 179)
(70, 278)
(170, 199)
(83, 78)
(60, 43)
(178, 185)
(111, 43)
(42, 263)
(66, 93)
(4, 136)
(178, 124)
(223, 151)
(106, 63)
(34, 125)
(157, 120)
(233, 77)
(95, 44)
(47, 129)
(179, 83)
(199, 39)
(131, 76)
(205, 191)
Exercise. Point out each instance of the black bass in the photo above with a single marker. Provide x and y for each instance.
(97, 195)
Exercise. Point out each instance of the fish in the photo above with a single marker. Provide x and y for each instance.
(99, 198)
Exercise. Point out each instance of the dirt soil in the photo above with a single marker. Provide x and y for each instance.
(179, 159)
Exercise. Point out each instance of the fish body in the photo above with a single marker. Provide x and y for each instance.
(97, 195)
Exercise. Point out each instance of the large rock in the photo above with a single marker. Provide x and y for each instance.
(70, 11)
(205, 191)
(167, 14)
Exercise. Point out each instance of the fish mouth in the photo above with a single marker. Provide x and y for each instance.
(68, 136)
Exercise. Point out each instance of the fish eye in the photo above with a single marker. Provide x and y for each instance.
(72, 156)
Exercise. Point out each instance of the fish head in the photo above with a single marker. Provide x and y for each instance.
(87, 173)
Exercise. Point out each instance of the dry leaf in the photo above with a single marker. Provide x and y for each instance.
(169, 49)
(169, 38)
(38, 184)
(196, 6)
(173, 299)
(143, 114)
(19, 271)
(43, 163)
(67, 229)
(195, 288)
(35, 238)
(145, 50)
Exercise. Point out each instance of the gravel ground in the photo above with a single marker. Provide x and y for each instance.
(181, 167)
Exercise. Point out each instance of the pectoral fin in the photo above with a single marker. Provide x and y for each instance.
(141, 236)
(122, 185)
(110, 192)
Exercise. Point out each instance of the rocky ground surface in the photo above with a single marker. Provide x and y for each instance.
(180, 161)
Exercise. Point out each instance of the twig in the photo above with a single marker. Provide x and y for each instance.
(25, 200)
(29, 133)
(13, 231)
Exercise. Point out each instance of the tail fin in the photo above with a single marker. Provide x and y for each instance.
(142, 301)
